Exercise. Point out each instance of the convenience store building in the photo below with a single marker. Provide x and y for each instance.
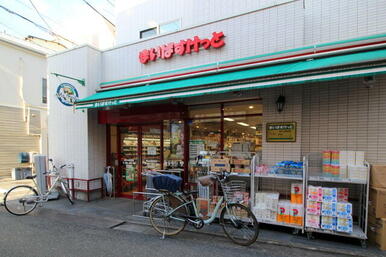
(155, 103)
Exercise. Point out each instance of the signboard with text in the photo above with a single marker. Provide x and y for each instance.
(281, 132)
(181, 48)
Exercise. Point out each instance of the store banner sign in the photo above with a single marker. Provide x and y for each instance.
(67, 94)
(183, 47)
(281, 132)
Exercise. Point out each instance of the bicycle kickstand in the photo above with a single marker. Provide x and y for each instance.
(163, 235)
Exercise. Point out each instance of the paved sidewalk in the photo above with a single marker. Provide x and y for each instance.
(118, 214)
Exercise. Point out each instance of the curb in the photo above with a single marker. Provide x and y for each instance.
(279, 243)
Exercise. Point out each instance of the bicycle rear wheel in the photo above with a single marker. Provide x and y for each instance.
(20, 200)
(239, 224)
(162, 217)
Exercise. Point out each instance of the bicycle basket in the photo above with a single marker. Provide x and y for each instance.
(234, 190)
(167, 182)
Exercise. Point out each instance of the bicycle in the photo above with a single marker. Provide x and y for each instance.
(170, 212)
(23, 199)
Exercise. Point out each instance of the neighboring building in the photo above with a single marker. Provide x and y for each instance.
(326, 57)
(23, 102)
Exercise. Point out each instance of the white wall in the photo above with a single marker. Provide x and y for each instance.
(70, 136)
(21, 73)
(331, 20)
(274, 152)
(345, 115)
(133, 17)
(264, 31)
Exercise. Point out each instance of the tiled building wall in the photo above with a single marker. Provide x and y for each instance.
(345, 115)
(274, 152)
(264, 31)
(331, 20)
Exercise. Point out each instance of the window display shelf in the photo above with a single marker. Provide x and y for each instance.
(337, 180)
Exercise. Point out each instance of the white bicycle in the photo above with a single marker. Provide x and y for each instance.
(21, 200)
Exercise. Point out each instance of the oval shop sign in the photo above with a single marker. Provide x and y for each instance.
(67, 94)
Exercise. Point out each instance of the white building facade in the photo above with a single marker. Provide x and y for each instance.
(335, 99)
(23, 102)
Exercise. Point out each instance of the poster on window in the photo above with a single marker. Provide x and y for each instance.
(176, 141)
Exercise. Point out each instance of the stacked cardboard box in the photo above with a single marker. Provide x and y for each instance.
(377, 206)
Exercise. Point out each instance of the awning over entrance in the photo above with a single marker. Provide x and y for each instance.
(322, 68)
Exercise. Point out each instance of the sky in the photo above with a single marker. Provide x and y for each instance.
(71, 19)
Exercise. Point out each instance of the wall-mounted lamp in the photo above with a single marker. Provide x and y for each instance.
(280, 102)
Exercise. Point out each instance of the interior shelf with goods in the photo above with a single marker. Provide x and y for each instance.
(277, 196)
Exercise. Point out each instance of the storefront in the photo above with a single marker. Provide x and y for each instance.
(140, 140)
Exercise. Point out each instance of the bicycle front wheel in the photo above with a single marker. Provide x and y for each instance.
(239, 224)
(168, 215)
(20, 200)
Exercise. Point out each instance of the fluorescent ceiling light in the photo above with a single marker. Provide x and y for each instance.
(251, 107)
(252, 127)
(243, 124)
(229, 119)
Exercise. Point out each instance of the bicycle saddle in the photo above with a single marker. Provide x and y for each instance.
(30, 177)
(206, 180)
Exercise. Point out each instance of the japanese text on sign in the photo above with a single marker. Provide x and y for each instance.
(281, 132)
(183, 47)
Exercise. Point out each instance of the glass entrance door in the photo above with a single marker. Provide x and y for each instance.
(151, 147)
(129, 160)
(140, 152)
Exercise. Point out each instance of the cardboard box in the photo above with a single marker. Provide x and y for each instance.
(378, 176)
(377, 204)
(203, 206)
(377, 232)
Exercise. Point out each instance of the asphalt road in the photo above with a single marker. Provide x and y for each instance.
(48, 233)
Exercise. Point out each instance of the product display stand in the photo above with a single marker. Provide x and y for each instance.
(361, 187)
(281, 183)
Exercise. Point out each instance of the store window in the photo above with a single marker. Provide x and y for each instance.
(222, 129)
(148, 33)
(243, 108)
(205, 111)
(243, 134)
(169, 27)
(173, 136)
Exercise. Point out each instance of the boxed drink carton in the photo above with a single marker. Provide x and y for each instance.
(329, 209)
(315, 193)
(377, 204)
(335, 158)
(378, 176)
(344, 225)
(328, 222)
(312, 221)
(326, 157)
(283, 211)
(343, 158)
(344, 210)
(342, 194)
(330, 194)
(334, 170)
(357, 172)
(313, 207)
(350, 157)
(297, 193)
(296, 214)
(343, 171)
